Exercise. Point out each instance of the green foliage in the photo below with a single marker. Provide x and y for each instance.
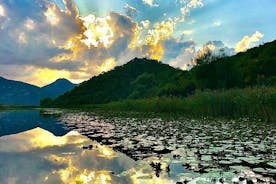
(254, 67)
(140, 78)
(234, 103)
(46, 102)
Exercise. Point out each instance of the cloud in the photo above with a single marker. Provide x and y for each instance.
(187, 32)
(195, 3)
(107, 65)
(22, 38)
(217, 48)
(97, 32)
(217, 23)
(31, 38)
(130, 10)
(184, 59)
(2, 11)
(29, 24)
(187, 5)
(47, 42)
(150, 3)
(145, 24)
(51, 15)
(161, 31)
(247, 41)
(173, 47)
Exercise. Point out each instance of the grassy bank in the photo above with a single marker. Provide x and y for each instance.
(235, 103)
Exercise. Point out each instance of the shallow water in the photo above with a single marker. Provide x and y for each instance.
(214, 147)
(187, 150)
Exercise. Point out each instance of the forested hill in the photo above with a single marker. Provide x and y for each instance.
(257, 66)
(139, 78)
(143, 78)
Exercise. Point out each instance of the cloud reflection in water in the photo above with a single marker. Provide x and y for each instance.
(37, 156)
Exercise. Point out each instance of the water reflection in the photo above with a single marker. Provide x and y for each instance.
(38, 156)
(12, 122)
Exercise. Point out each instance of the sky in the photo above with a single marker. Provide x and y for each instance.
(43, 40)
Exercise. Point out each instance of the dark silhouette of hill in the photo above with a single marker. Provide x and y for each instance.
(144, 78)
(139, 78)
(20, 93)
(60, 86)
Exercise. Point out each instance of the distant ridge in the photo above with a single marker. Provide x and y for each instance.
(21, 93)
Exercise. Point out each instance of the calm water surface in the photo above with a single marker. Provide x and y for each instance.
(38, 149)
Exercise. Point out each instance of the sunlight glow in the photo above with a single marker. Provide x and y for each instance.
(98, 33)
(43, 76)
(101, 177)
(246, 41)
(106, 152)
(42, 139)
(51, 16)
(156, 51)
(107, 65)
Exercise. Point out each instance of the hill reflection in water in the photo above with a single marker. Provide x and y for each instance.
(12, 122)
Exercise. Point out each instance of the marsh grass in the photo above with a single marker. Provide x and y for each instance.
(257, 103)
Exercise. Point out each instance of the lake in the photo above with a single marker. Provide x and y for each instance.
(78, 147)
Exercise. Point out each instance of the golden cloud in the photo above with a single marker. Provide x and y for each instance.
(97, 31)
(246, 41)
(107, 65)
(51, 15)
(160, 32)
(145, 24)
(77, 48)
(156, 51)
(43, 76)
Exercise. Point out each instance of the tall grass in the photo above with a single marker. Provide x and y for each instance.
(234, 103)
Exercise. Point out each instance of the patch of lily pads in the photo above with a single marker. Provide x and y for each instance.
(235, 151)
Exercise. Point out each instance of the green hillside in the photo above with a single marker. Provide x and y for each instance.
(139, 78)
(257, 66)
(143, 78)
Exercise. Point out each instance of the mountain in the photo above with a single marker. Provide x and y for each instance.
(57, 88)
(139, 78)
(20, 93)
(143, 78)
